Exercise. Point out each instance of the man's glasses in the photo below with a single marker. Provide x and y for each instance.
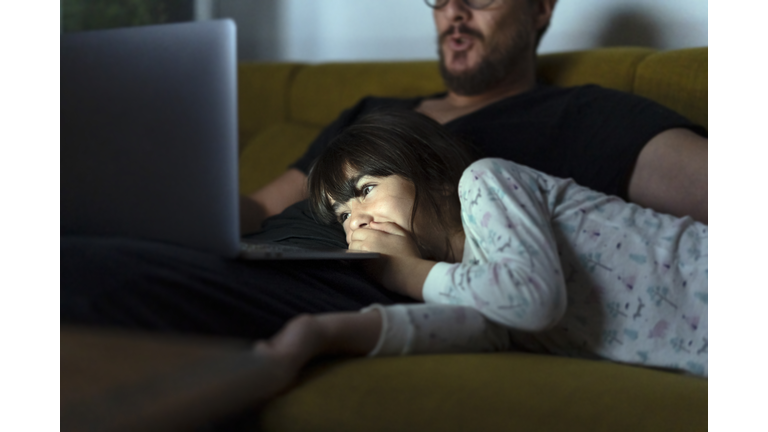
(474, 4)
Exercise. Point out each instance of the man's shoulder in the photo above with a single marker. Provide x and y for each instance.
(580, 92)
(581, 99)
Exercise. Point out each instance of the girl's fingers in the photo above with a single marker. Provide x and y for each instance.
(375, 229)
(365, 236)
(389, 228)
(362, 234)
(365, 243)
(358, 245)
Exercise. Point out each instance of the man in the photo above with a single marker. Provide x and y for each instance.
(606, 140)
(487, 53)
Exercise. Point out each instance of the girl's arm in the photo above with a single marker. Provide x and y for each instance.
(380, 331)
(515, 278)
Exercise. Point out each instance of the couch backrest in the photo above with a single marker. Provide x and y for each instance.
(262, 99)
(283, 106)
(316, 94)
(320, 92)
(609, 67)
(677, 79)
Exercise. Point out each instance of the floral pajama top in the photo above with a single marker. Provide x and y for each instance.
(553, 267)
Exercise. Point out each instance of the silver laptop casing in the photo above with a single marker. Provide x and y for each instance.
(149, 134)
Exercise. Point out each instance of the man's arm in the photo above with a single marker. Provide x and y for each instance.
(289, 188)
(671, 175)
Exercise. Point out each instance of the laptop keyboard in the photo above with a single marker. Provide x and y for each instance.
(282, 251)
(269, 248)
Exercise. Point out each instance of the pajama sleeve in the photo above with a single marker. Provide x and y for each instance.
(434, 329)
(514, 277)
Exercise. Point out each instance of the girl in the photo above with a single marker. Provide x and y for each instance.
(502, 255)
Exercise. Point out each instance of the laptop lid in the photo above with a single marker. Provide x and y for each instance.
(149, 134)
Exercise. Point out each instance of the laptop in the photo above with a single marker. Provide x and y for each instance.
(149, 139)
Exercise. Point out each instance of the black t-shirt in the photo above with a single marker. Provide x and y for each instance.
(587, 133)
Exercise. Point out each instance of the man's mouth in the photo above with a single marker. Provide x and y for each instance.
(460, 43)
(460, 38)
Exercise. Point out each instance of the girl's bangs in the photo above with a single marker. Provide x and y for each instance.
(334, 182)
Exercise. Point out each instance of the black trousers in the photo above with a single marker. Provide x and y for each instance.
(137, 284)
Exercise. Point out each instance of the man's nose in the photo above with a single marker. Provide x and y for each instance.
(456, 11)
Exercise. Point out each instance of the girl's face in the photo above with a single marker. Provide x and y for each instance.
(379, 199)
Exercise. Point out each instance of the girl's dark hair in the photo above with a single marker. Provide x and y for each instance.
(403, 143)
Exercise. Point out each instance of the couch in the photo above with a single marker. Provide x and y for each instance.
(283, 106)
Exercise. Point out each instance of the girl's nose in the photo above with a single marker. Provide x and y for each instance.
(359, 219)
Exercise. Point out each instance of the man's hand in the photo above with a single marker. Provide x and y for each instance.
(400, 268)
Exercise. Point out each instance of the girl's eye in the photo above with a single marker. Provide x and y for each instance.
(367, 190)
(343, 217)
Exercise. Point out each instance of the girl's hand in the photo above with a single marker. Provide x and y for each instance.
(291, 348)
(297, 342)
(400, 268)
(307, 336)
(386, 238)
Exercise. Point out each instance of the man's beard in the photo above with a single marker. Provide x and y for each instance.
(496, 66)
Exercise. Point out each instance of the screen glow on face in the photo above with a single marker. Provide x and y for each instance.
(378, 199)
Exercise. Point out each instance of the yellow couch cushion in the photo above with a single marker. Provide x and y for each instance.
(678, 80)
(262, 96)
(269, 153)
(321, 92)
(488, 392)
(609, 67)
